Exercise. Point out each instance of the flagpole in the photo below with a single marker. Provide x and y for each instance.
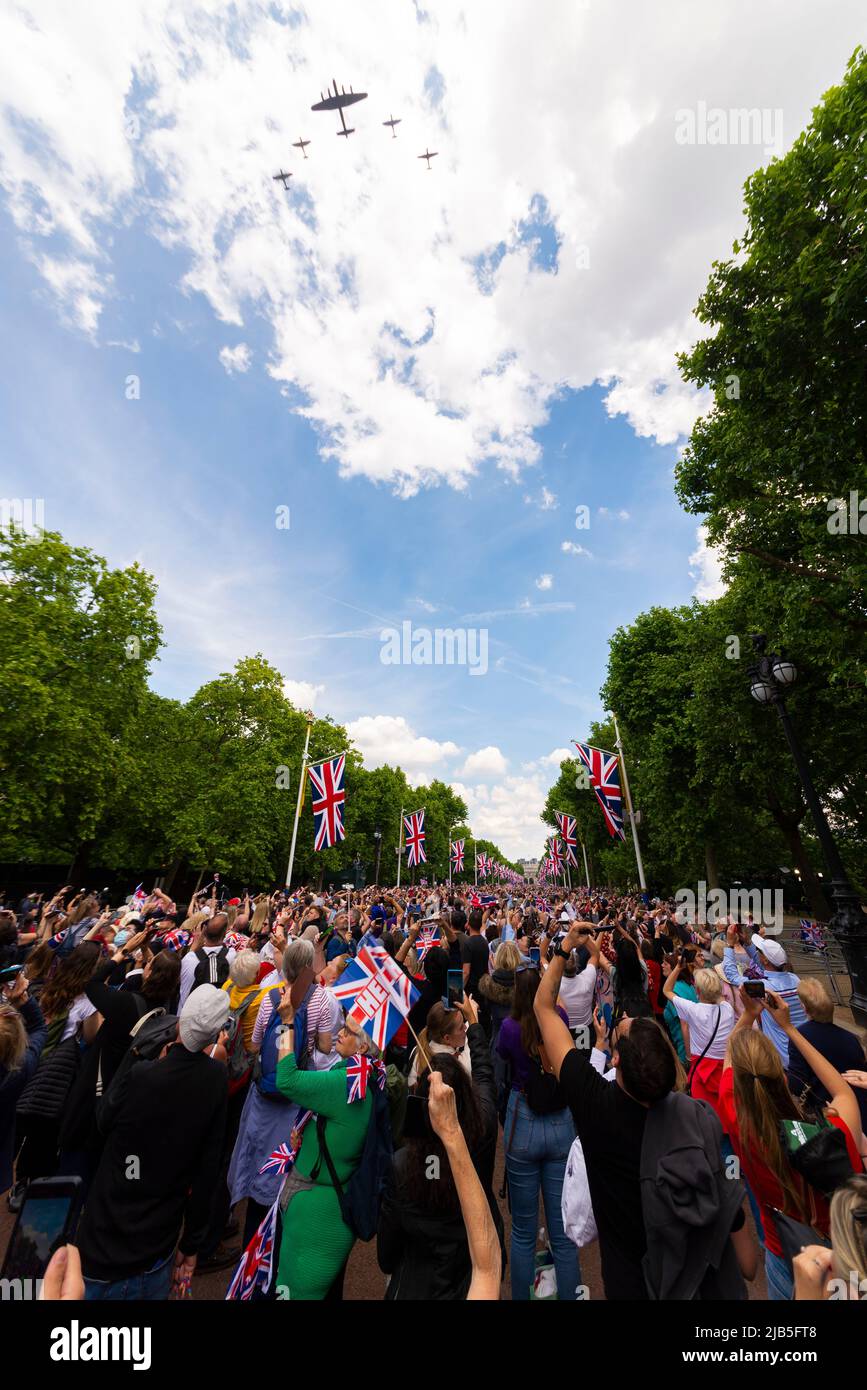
(586, 870)
(619, 746)
(399, 846)
(301, 784)
(451, 828)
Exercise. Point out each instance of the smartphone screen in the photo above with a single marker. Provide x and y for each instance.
(48, 1219)
(416, 1125)
(454, 988)
(755, 988)
(535, 955)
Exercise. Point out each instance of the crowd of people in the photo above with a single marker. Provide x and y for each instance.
(671, 1091)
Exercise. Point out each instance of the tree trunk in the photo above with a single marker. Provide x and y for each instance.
(711, 864)
(813, 890)
(77, 870)
(174, 870)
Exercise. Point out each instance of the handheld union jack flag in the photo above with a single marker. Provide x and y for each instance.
(376, 994)
(358, 1073)
(413, 825)
(427, 938)
(254, 1269)
(604, 773)
(569, 836)
(812, 936)
(328, 798)
(456, 850)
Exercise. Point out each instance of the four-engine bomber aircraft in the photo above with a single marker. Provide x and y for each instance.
(335, 101)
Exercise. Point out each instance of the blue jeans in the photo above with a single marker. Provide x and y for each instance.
(778, 1272)
(152, 1287)
(537, 1147)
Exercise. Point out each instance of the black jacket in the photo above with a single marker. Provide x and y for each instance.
(171, 1123)
(426, 1252)
(688, 1203)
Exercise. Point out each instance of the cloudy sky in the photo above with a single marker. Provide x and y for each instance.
(424, 372)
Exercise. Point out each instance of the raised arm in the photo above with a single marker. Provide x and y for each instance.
(843, 1098)
(556, 1037)
(481, 1231)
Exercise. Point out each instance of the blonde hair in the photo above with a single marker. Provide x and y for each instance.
(816, 1000)
(13, 1038)
(507, 956)
(244, 969)
(849, 1226)
(717, 948)
(260, 917)
(709, 986)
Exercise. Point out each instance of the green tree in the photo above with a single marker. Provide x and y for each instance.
(76, 641)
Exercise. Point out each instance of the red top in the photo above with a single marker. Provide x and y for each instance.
(762, 1179)
(654, 985)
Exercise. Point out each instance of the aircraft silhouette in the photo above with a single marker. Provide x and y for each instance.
(335, 101)
(283, 176)
(301, 145)
(429, 155)
(392, 122)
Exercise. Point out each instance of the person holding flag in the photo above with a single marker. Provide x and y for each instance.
(316, 1240)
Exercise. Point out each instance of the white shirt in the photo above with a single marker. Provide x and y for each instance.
(702, 1020)
(576, 997)
(188, 969)
(79, 1010)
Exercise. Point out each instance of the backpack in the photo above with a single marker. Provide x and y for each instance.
(361, 1199)
(265, 1066)
(238, 1061)
(154, 1031)
(212, 969)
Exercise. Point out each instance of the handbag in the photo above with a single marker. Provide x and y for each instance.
(818, 1152)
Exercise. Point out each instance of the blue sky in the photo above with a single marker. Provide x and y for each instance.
(430, 371)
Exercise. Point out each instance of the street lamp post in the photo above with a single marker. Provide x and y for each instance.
(770, 678)
(377, 835)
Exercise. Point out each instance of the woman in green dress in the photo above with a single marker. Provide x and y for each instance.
(316, 1241)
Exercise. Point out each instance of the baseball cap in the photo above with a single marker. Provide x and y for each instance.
(771, 950)
(202, 1017)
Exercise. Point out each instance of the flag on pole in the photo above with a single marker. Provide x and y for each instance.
(482, 862)
(328, 798)
(569, 836)
(358, 1073)
(605, 780)
(555, 857)
(427, 938)
(456, 851)
(414, 831)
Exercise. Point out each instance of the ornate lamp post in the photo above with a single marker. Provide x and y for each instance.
(771, 676)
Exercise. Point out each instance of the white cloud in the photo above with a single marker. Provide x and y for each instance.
(487, 762)
(545, 581)
(236, 359)
(302, 694)
(384, 738)
(546, 501)
(508, 812)
(705, 568)
(424, 605)
(447, 359)
(622, 515)
(572, 548)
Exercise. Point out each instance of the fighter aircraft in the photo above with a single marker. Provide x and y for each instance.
(392, 122)
(429, 155)
(282, 176)
(301, 145)
(335, 101)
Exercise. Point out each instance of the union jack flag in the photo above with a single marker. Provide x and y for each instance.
(428, 937)
(812, 936)
(375, 993)
(456, 849)
(283, 1157)
(257, 1261)
(176, 940)
(569, 836)
(482, 863)
(483, 899)
(555, 857)
(328, 798)
(358, 1073)
(414, 827)
(604, 773)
